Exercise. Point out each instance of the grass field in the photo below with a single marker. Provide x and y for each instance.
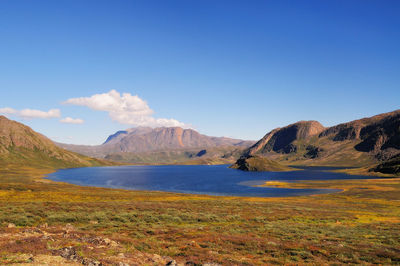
(57, 223)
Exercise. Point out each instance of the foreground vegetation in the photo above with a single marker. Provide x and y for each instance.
(48, 222)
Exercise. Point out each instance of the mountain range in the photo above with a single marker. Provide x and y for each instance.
(373, 141)
(20, 146)
(164, 145)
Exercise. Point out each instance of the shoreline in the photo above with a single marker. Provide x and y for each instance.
(296, 184)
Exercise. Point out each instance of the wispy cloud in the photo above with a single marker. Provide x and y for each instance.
(69, 120)
(125, 109)
(31, 113)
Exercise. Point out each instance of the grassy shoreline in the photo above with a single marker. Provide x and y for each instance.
(359, 225)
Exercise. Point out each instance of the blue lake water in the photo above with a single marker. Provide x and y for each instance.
(198, 179)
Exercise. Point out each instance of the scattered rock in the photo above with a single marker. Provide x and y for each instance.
(110, 242)
(90, 262)
(68, 253)
(11, 225)
(32, 230)
(93, 222)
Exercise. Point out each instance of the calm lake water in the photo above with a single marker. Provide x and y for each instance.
(197, 179)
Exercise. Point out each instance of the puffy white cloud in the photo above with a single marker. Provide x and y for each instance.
(31, 113)
(69, 120)
(125, 109)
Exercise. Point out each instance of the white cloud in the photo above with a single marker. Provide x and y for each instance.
(125, 109)
(7, 110)
(69, 120)
(31, 113)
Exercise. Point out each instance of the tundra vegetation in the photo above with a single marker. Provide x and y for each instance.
(50, 222)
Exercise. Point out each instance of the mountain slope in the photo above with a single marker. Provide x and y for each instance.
(21, 146)
(212, 155)
(359, 143)
(159, 145)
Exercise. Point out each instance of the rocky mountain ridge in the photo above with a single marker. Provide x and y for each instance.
(362, 142)
(144, 140)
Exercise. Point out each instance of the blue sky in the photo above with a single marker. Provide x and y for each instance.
(226, 68)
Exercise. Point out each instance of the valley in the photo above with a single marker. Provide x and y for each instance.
(43, 221)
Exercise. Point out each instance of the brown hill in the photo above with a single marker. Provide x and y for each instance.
(21, 146)
(363, 142)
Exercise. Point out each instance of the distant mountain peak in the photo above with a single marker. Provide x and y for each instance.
(146, 139)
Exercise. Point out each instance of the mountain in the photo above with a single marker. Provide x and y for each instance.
(359, 143)
(21, 146)
(162, 145)
(212, 155)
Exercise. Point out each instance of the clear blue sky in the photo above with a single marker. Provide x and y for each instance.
(228, 68)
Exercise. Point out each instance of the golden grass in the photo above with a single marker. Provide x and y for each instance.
(359, 225)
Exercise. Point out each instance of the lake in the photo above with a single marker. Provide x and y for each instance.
(198, 179)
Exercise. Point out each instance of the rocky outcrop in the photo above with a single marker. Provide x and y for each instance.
(361, 142)
(281, 139)
(381, 135)
(376, 134)
(259, 163)
(391, 166)
(313, 151)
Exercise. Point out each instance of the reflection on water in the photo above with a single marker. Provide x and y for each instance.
(197, 179)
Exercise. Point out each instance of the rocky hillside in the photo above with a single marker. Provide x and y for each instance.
(259, 163)
(282, 140)
(21, 146)
(145, 144)
(359, 143)
(212, 155)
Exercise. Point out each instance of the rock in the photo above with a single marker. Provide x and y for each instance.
(93, 222)
(194, 244)
(31, 258)
(32, 230)
(44, 226)
(110, 242)
(171, 263)
(89, 262)
(68, 253)
(47, 237)
(69, 228)
(11, 225)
